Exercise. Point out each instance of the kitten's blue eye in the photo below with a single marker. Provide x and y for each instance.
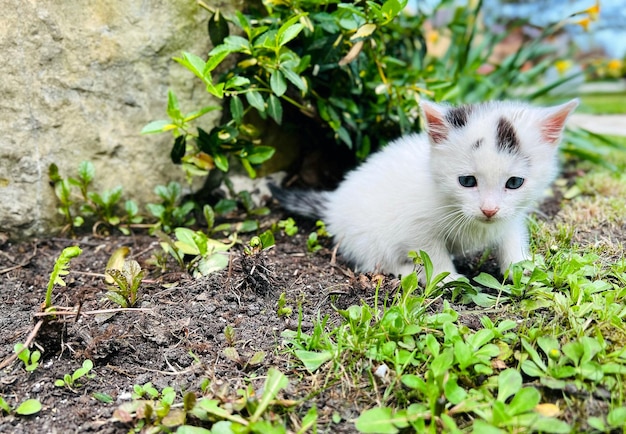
(468, 181)
(514, 182)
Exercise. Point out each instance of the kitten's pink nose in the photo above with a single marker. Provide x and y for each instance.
(489, 212)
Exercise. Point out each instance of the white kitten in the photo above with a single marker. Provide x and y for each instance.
(467, 184)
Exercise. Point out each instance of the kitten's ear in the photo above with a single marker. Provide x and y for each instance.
(435, 117)
(553, 124)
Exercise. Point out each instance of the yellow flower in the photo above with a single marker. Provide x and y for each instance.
(562, 66)
(432, 36)
(614, 65)
(594, 11)
(584, 23)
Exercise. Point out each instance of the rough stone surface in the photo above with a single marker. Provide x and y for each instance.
(78, 81)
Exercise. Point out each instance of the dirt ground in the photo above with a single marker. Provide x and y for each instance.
(180, 319)
(179, 315)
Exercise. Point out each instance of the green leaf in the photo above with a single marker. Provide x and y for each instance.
(267, 239)
(236, 109)
(278, 83)
(509, 383)
(260, 154)
(86, 171)
(312, 360)
(158, 127)
(294, 78)
(178, 149)
(524, 401)
(117, 298)
(376, 420)
(221, 162)
(173, 108)
(213, 263)
(204, 110)
(275, 381)
(190, 429)
(482, 427)
(193, 63)
(218, 28)
(551, 425)
(289, 33)
(255, 99)
(28, 407)
(213, 62)
(275, 109)
(488, 281)
(617, 417)
(453, 391)
(103, 397)
(4, 405)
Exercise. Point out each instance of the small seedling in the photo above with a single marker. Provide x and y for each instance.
(70, 380)
(146, 391)
(232, 354)
(169, 213)
(288, 226)
(100, 206)
(260, 243)
(61, 268)
(26, 408)
(230, 335)
(30, 358)
(283, 308)
(126, 283)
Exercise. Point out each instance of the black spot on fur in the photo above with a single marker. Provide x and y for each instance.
(506, 139)
(457, 117)
(477, 144)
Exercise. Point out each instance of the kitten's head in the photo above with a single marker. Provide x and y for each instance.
(494, 160)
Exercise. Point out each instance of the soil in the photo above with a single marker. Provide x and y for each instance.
(179, 321)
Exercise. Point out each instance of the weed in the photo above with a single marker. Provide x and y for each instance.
(29, 358)
(26, 408)
(256, 359)
(288, 226)
(312, 242)
(61, 268)
(169, 213)
(283, 308)
(229, 335)
(126, 282)
(70, 381)
(249, 413)
(208, 255)
(78, 207)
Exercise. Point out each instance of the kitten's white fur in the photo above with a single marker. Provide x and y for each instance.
(408, 196)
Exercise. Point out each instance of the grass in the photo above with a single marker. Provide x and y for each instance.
(603, 103)
(550, 338)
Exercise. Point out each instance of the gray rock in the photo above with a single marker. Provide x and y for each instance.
(78, 81)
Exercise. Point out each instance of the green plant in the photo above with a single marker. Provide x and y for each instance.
(208, 254)
(249, 413)
(61, 268)
(288, 226)
(29, 358)
(283, 308)
(169, 213)
(71, 380)
(314, 60)
(149, 391)
(26, 408)
(103, 207)
(312, 242)
(126, 281)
